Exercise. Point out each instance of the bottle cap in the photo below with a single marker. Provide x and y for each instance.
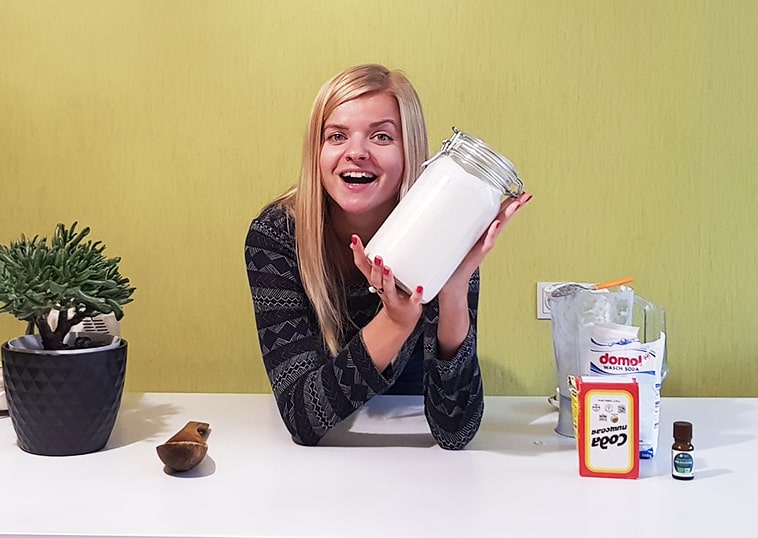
(682, 430)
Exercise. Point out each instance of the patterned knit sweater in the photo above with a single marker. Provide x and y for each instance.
(314, 389)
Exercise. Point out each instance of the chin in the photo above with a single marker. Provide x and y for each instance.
(356, 209)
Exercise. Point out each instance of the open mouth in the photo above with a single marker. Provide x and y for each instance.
(360, 178)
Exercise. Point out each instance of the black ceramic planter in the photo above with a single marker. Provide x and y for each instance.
(62, 404)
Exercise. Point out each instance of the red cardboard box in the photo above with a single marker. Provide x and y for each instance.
(606, 420)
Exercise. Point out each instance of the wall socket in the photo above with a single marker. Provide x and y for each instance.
(543, 307)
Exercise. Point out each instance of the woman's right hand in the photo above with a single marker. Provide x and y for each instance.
(402, 309)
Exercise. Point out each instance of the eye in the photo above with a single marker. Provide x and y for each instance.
(383, 138)
(336, 137)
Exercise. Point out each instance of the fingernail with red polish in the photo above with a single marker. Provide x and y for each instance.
(377, 260)
(420, 289)
(354, 239)
(386, 270)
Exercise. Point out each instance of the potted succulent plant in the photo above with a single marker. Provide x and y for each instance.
(63, 388)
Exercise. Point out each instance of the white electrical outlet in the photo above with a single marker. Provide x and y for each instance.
(543, 306)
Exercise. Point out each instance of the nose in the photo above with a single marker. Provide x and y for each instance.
(356, 151)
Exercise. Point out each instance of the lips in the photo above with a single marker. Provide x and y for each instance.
(359, 178)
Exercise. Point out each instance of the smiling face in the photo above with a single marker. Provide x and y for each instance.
(362, 161)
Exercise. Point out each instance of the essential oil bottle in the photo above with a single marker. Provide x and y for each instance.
(682, 452)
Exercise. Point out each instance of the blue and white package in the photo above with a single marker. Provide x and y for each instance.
(610, 349)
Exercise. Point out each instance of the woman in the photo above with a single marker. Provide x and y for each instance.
(333, 328)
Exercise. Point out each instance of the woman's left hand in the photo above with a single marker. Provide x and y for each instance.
(486, 243)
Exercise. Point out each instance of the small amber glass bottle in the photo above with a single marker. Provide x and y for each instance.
(682, 452)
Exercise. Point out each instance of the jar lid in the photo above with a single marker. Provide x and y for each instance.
(682, 430)
(478, 158)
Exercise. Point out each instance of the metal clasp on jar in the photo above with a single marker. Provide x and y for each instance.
(471, 152)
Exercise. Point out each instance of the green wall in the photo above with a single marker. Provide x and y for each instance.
(165, 126)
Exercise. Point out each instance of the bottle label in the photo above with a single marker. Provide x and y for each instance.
(682, 464)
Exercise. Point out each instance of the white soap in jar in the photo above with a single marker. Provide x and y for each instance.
(444, 213)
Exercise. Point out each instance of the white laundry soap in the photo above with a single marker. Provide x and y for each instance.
(444, 213)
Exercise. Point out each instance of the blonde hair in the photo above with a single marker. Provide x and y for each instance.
(322, 278)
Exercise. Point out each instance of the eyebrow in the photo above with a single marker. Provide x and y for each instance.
(372, 125)
(382, 122)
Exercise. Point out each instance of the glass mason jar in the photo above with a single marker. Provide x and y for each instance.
(444, 213)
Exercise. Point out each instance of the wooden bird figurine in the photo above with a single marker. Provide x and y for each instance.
(187, 448)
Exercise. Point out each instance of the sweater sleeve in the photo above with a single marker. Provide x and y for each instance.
(453, 390)
(313, 390)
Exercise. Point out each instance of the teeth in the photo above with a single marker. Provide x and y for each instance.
(358, 177)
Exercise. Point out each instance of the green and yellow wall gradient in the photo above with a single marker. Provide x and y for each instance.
(166, 125)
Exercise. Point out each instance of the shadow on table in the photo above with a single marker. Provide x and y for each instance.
(722, 425)
(525, 427)
(387, 421)
(368, 440)
(138, 421)
(206, 467)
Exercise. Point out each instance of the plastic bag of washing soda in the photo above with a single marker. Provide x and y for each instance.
(608, 349)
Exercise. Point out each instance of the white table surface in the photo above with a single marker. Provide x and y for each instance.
(379, 475)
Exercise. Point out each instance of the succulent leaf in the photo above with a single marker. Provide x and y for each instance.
(70, 272)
